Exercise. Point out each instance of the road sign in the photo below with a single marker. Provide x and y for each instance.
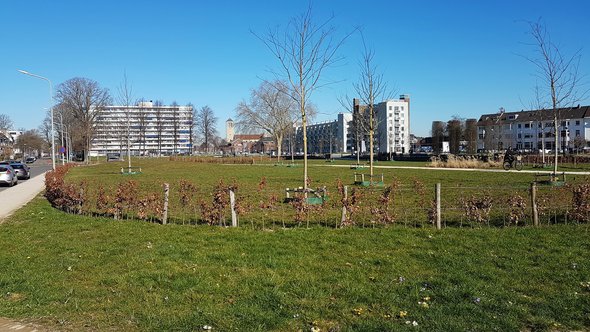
(62, 149)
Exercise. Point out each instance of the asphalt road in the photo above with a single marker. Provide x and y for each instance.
(38, 167)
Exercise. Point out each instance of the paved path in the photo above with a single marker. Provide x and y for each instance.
(10, 326)
(492, 170)
(15, 197)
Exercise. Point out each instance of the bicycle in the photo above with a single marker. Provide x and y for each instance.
(516, 163)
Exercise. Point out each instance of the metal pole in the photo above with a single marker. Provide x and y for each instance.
(438, 223)
(51, 109)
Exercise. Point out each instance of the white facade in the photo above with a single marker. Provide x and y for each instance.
(393, 125)
(153, 130)
(530, 130)
(326, 137)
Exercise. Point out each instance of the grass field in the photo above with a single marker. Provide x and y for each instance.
(410, 203)
(70, 272)
(76, 273)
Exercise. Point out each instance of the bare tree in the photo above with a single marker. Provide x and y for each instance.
(438, 135)
(29, 140)
(142, 119)
(455, 133)
(159, 116)
(471, 135)
(191, 128)
(125, 98)
(270, 110)
(559, 76)
(5, 122)
(370, 88)
(175, 126)
(205, 122)
(85, 99)
(305, 49)
(45, 128)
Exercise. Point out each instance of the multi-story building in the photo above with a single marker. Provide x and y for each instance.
(325, 137)
(531, 130)
(153, 130)
(392, 132)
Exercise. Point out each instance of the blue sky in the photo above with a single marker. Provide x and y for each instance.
(452, 57)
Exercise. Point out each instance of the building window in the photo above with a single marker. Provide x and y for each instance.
(396, 108)
(527, 125)
(577, 122)
(577, 133)
(519, 125)
(390, 108)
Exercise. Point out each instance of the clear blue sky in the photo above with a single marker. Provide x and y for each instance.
(452, 57)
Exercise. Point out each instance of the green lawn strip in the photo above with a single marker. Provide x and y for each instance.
(73, 272)
(408, 206)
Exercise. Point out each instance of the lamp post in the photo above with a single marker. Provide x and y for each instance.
(51, 108)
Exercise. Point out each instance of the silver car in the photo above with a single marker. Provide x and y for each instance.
(22, 170)
(8, 175)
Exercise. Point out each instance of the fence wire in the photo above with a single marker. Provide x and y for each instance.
(405, 205)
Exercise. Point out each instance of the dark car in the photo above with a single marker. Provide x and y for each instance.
(30, 160)
(22, 170)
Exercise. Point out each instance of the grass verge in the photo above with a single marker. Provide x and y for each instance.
(79, 273)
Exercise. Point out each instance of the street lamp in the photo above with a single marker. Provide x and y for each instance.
(51, 108)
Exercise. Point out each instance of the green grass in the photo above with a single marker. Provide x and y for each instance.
(77, 273)
(410, 206)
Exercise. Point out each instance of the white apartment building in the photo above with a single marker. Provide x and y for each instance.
(528, 130)
(326, 137)
(392, 132)
(393, 125)
(153, 130)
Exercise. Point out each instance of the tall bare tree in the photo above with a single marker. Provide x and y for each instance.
(304, 49)
(29, 140)
(142, 119)
(175, 126)
(471, 135)
(455, 133)
(191, 128)
(159, 117)
(85, 99)
(205, 121)
(270, 110)
(438, 134)
(370, 88)
(5, 122)
(559, 76)
(125, 98)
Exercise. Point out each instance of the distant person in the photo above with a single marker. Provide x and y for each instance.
(509, 155)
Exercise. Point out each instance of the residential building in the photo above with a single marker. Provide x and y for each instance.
(153, 130)
(392, 132)
(530, 130)
(325, 137)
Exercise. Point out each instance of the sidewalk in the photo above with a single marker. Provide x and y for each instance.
(14, 198)
(10, 326)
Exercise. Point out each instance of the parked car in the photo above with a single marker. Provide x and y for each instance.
(22, 170)
(8, 175)
(30, 160)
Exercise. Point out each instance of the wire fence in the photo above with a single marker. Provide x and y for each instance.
(334, 206)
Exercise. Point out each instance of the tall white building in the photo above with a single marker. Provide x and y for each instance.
(393, 125)
(392, 132)
(153, 130)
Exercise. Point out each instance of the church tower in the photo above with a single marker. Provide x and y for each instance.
(229, 130)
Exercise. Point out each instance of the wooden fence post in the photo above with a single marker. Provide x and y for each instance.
(438, 223)
(534, 203)
(232, 203)
(165, 212)
(343, 219)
